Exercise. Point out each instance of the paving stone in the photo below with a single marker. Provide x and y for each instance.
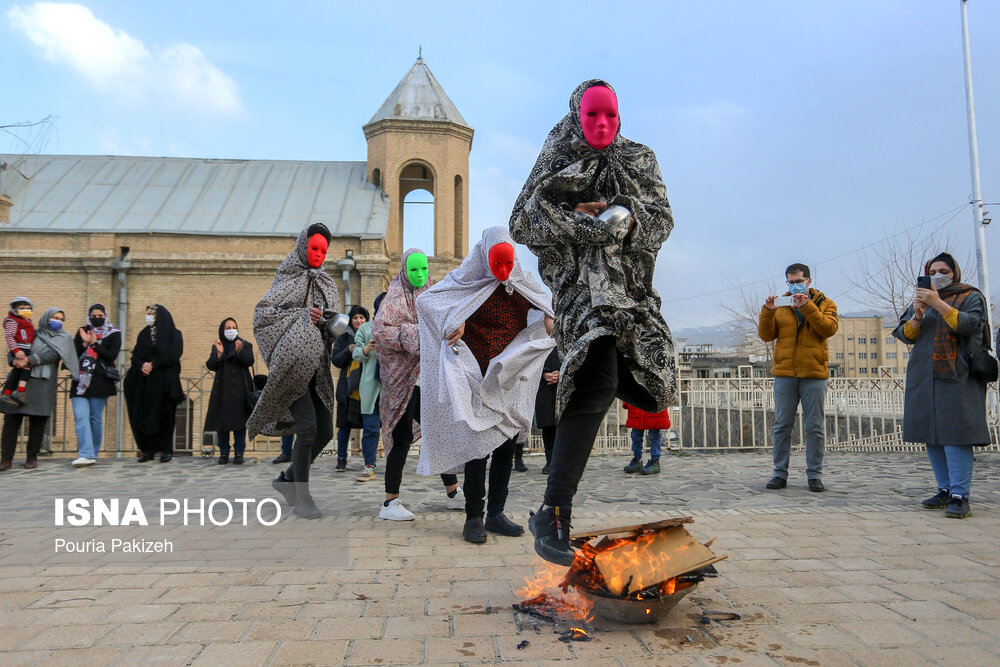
(237, 655)
(84, 657)
(312, 652)
(386, 652)
(459, 649)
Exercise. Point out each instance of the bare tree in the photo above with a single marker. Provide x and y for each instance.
(884, 275)
(29, 137)
(744, 317)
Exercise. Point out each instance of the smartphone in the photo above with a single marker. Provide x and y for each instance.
(923, 282)
(784, 300)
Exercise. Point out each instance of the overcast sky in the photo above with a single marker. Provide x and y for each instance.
(785, 131)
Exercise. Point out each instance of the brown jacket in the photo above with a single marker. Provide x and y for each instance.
(801, 350)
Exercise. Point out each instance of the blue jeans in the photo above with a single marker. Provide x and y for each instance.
(952, 465)
(286, 444)
(239, 442)
(788, 393)
(369, 437)
(343, 437)
(655, 444)
(88, 416)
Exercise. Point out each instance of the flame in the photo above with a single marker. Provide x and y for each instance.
(547, 589)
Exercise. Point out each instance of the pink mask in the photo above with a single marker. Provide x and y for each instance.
(316, 250)
(501, 260)
(599, 116)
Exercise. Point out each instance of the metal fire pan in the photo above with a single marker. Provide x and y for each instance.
(635, 611)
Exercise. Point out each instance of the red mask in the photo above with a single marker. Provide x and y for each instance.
(501, 260)
(316, 250)
(599, 116)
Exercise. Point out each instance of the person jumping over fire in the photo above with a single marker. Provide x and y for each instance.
(611, 335)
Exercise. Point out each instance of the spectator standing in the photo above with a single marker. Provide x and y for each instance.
(97, 347)
(229, 405)
(641, 423)
(800, 370)
(369, 391)
(152, 385)
(51, 346)
(348, 408)
(945, 403)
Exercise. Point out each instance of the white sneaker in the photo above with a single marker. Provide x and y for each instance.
(83, 463)
(395, 511)
(458, 502)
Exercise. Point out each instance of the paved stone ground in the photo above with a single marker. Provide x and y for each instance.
(855, 576)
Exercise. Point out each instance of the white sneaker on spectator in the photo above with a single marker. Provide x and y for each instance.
(83, 462)
(395, 511)
(458, 502)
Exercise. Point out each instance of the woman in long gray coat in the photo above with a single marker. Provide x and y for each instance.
(944, 405)
(52, 345)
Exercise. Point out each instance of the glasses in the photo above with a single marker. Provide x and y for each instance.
(801, 281)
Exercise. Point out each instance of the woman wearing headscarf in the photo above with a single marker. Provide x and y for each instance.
(612, 337)
(152, 385)
(397, 344)
(291, 326)
(52, 346)
(348, 406)
(97, 347)
(369, 390)
(944, 404)
(485, 331)
(229, 404)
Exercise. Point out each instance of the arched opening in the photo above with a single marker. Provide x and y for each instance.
(417, 214)
(459, 217)
(377, 178)
(418, 221)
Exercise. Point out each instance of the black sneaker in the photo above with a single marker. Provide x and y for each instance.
(285, 487)
(815, 484)
(635, 465)
(474, 531)
(550, 526)
(938, 502)
(519, 465)
(238, 460)
(651, 468)
(545, 469)
(777, 483)
(958, 508)
(223, 459)
(281, 458)
(500, 524)
(341, 465)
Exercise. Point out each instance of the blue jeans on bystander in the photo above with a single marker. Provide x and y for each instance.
(952, 465)
(88, 416)
(655, 444)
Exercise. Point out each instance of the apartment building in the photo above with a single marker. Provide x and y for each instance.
(864, 347)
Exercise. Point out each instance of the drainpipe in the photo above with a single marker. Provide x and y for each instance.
(346, 265)
(120, 267)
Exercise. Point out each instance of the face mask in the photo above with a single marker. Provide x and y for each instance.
(25, 312)
(939, 281)
(150, 320)
(801, 288)
(231, 334)
(501, 258)
(599, 116)
(316, 250)
(55, 325)
(97, 322)
(417, 269)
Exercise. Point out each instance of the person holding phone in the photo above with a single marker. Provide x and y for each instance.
(944, 404)
(800, 330)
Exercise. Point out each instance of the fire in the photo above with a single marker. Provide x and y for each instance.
(547, 591)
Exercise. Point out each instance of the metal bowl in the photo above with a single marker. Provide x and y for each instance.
(339, 324)
(635, 611)
(616, 215)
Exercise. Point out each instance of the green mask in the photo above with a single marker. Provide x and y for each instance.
(417, 269)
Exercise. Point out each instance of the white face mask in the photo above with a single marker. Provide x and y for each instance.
(940, 281)
(230, 334)
(150, 320)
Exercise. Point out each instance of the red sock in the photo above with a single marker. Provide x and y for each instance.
(21, 388)
(7, 392)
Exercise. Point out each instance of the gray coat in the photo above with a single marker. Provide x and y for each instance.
(943, 411)
(48, 350)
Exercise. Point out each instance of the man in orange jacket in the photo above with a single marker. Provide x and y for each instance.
(800, 370)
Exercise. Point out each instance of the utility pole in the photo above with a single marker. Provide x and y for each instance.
(977, 195)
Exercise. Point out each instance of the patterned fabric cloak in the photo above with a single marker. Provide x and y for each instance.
(601, 275)
(465, 414)
(397, 346)
(293, 348)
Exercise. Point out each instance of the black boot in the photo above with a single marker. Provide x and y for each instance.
(285, 486)
(282, 458)
(474, 531)
(223, 459)
(500, 524)
(238, 460)
(519, 465)
(305, 506)
(550, 526)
